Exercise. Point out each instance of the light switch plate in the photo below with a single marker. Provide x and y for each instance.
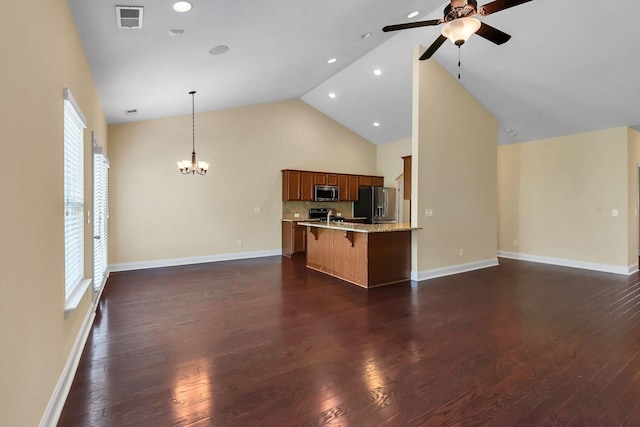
(614, 212)
(429, 212)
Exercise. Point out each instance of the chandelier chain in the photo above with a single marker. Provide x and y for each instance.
(193, 121)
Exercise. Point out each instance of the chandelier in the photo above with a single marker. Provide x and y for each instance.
(192, 166)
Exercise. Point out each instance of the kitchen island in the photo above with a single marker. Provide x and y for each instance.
(366, 255)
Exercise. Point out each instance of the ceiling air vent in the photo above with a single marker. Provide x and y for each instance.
(129, 16)
(132, 112)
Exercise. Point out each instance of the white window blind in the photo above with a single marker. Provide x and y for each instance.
(100, 217)
(74, 125)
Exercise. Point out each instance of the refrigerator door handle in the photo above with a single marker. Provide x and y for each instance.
(386, 203)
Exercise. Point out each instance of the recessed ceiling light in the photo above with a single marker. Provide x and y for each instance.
(332, 60)
(182, 6)
(413, 14)
(332, 95)
(377, 72)
(365, 35)
(218, 50)
(376, 124)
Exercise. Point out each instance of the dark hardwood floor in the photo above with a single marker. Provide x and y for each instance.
(266, 342)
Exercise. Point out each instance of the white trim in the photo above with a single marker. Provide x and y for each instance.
(97, 293)
(127, 266)
(453, 269)
(66, 94)
(75, 296)
(605, 268)
(60, 393)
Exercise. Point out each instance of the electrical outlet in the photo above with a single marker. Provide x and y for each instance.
(239, 243)
(429, 212)
(339, 214)
(256, 210)
(296, 215)
(614, 212)
(461, 252)
(515, 243)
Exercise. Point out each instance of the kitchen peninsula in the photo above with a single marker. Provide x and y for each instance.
(366, 255)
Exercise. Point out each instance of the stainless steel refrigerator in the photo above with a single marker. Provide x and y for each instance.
(377, 204)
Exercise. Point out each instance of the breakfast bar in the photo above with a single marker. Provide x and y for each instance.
(367, 255)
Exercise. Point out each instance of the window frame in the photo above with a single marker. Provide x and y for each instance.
(74, 124)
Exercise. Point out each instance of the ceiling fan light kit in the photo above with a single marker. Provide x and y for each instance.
(459, 30)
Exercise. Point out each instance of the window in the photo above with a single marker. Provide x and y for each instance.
(100, 216)
(74, 125)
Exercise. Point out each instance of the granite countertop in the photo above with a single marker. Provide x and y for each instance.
(301, 219)
(361, 228)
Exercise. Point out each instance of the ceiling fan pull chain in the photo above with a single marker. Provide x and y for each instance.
(459, 62)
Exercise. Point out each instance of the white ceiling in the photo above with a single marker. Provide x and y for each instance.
(572, 65)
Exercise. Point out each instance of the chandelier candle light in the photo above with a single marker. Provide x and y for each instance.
(192, 167)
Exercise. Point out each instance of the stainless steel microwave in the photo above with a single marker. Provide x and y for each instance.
(326, 193)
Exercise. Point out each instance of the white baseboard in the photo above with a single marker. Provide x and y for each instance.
(453, 269)
(60, 393)
(605, 268)
(128, 266)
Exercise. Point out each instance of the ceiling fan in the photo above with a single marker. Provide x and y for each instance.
(459, 23)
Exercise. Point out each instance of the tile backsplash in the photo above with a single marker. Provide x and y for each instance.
(289, 209)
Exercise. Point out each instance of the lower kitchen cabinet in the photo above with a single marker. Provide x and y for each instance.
(294, 238)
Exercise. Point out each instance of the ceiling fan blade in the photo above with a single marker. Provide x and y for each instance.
(492, 34)
(432, 49)
(411, 25)
(498, 5)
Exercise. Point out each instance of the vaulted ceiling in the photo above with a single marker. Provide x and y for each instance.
(571, 65)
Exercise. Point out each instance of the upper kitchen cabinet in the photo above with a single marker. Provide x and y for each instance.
(320, 178)
(343, 184)
(354, 185)
(306, 185)
(291, 181)
(297, 185)
(407, 177)
(365, 181)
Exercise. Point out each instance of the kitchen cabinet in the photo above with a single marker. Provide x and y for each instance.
(291, 181)
(343, 184)
(365, 181)
(366, 259)
(297, 185)
(377, 181)
(320, 178)
(354, 185)
(407, 177)
(306, 185)
(294, 238)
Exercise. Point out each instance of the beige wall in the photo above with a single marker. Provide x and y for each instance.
(454, 172)
(158, 214)
(556, 196)
(389, 160)
(41, 54)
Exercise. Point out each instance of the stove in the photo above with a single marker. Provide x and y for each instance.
(321, 214)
